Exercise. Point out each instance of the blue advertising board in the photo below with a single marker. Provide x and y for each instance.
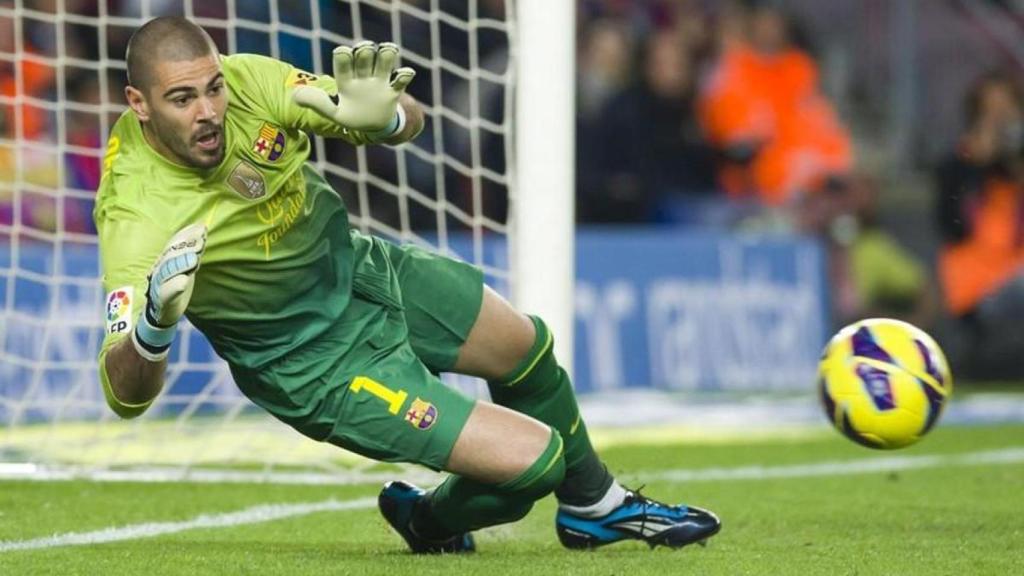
(691, 310)
(661, 308)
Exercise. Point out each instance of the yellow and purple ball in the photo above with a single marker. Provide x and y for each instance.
(883, 383)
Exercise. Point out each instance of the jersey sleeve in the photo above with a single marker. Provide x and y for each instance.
(266, 84)
(129, 244)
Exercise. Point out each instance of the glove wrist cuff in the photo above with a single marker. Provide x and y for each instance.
(396, 126)
(153, 342)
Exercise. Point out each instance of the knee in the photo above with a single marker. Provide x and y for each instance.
(552, 463)
(538, 359)
(543, 476)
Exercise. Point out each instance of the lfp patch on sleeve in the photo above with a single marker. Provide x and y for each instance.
(119, 310)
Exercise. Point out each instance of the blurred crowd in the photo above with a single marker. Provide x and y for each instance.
(677, 99)
(713, 114)
(690, 113)
(980, 207)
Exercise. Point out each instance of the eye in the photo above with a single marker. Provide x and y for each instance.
(181, 101)
(215, 90)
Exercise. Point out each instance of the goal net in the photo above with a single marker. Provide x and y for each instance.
(62, 74)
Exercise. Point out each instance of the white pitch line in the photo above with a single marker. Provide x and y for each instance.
(254, 515)
(43, 473)
(839, 468)
(269, 512)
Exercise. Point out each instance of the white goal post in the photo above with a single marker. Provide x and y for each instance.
(490, 180)
(543, 245)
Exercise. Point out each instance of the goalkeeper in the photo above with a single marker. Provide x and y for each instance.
(208, 208)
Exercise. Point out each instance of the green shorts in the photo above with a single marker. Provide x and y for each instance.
(389, 403)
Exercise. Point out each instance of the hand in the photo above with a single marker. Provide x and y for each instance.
(368, 96)
(173, 275)
(170, 288)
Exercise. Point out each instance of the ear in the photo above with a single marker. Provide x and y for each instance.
(137, 102)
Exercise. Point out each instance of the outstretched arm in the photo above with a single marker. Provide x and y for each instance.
(132, 368)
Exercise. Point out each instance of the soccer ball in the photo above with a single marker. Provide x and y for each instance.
(883, 383)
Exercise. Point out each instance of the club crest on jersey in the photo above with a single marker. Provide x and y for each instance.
(421, 414)
(247, 181)
(119, 310)
(270, 143)
(299, 78)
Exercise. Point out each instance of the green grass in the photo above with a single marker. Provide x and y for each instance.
(943, 520)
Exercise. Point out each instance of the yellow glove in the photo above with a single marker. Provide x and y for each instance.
(369, 87)
(170, 288)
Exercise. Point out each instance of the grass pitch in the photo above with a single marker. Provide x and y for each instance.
(935, 508)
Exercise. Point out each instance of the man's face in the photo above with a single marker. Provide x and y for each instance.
(184, 109)
(768, 31)
(668, 67)
(999, 104)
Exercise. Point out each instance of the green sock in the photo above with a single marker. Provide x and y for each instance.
(540, 388)
(462, 505)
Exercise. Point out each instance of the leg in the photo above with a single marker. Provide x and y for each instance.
(458, 324)
(491, 486)
(514, 353)
(522, 440)
(501, 338)
(381, 401)
(391, 408)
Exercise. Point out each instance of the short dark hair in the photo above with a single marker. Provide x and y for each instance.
(163, 38)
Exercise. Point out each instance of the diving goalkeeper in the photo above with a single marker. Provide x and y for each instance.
(208, 208)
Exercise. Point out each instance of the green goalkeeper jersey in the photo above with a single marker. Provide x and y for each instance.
(277, 271)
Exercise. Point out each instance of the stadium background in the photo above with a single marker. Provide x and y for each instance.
(787, 207)
(732, 210)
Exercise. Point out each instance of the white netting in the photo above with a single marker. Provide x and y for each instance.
(61, 81)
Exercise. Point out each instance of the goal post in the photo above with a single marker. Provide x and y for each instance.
(543, 246)
(455, 188)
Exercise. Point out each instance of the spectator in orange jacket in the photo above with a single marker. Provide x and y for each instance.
(981, 219)
(762, 109)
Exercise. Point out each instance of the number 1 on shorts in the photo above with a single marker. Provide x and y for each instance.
(394, 398)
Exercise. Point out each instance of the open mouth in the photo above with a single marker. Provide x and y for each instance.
(209, 141)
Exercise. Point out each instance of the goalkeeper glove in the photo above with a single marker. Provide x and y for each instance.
(368, 96)
(170, 288)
